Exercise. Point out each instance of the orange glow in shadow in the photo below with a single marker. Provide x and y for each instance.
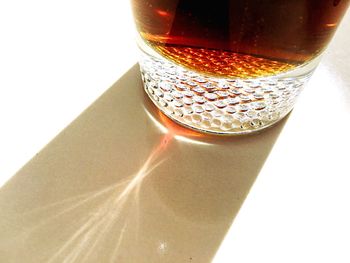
(162, 13)
(166, 139)
(176, 129)
(170, 127)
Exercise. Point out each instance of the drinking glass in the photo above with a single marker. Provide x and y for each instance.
(231, 66)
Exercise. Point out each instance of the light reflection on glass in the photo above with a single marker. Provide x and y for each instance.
(179, 133)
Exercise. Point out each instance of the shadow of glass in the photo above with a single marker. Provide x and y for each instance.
(123, 183)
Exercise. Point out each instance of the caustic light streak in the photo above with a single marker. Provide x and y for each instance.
(98, 224)
(112, 207)
(112, 210)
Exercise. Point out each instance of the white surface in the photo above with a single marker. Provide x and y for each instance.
(298, 209)
(57, 57)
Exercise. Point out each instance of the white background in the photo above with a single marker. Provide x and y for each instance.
(56, 58)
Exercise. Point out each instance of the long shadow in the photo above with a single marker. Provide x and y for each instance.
(122, 183)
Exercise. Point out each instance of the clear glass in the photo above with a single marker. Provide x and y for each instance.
(235, 66)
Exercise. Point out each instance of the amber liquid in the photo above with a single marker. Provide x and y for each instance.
(238, 38)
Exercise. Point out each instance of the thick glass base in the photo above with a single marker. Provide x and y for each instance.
(219, 105)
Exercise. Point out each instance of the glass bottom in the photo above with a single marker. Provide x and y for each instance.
(219, 105)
